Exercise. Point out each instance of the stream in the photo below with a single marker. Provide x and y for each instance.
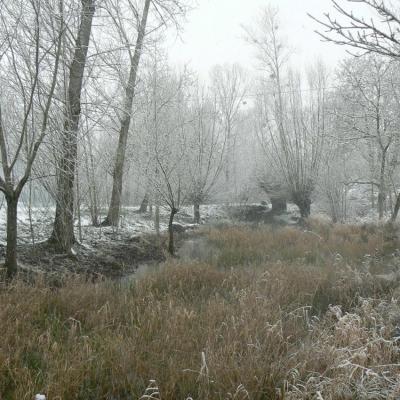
(196, 248)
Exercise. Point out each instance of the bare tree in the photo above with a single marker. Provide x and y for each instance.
(229, 85)
(63, 231)
(166, 11)
(167, 124)
(90, 170)
(292, 127)
(30, 50)
(379, 34)
(115, 204)
(206, 148)
(333, 180)
(370, 116)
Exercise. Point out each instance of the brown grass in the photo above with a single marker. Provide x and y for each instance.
(320, 244)
(261, 330)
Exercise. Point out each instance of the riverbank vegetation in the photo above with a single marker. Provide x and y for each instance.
(282, 313)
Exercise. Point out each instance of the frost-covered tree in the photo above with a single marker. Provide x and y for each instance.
(291, 126)
(229, 86)
(164, 149)
(30, 50)
(63, 230)
(370, 118)
(161, 13)
(206, 148)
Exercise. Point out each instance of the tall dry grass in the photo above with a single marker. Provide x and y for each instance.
(270, 327)
(320, 244)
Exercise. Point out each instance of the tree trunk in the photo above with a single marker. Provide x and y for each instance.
(63, 230)
(90, 174)
(78, 206)
(31, 229)
(157, 220)
(304, 207)
(228, 152)
(396, 209)
(196, 213)
(382, 188)
(381, 204)
(115, 204)
(372, 197)
(11, 251)
(171, 246)
(144, 204)
(279, 205)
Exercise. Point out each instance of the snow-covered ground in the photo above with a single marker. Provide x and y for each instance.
(35, 225)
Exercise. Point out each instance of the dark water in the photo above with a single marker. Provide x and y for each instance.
(195, 249)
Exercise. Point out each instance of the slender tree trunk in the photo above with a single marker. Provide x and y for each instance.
(90, 174)
(382, 189)
(144, 204)
(171, 246)
(396, 209)
(196, 213)
(228, 152)
(31, 229)
(381, 203)
(372, 197)
(63, 230)
(11, 251)
(157, 220)
(115, 204)
(78, 205)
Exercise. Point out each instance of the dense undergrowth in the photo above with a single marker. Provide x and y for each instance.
(275, 314)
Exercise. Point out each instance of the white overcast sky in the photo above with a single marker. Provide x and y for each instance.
(213, 33)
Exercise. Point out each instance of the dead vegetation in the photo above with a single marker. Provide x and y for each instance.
(278, 314)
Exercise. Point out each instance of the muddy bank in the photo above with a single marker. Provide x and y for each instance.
(107, 254)
(119, 256)
(98, 260)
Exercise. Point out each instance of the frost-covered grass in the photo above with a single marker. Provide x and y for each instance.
(277, 324)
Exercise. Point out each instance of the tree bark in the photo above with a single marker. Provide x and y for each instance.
(381, 204)
(382, 189)
(90, 174)
(78, 205)
(12, 230)
(144, 204)
(196, 213)
(372, 197)
(171, 246)
(304, 205)
(396, 209)
(63, 230)
(157, 220)
(115, 204)
(279, 205)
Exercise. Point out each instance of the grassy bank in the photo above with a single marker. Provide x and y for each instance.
(275, 314)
